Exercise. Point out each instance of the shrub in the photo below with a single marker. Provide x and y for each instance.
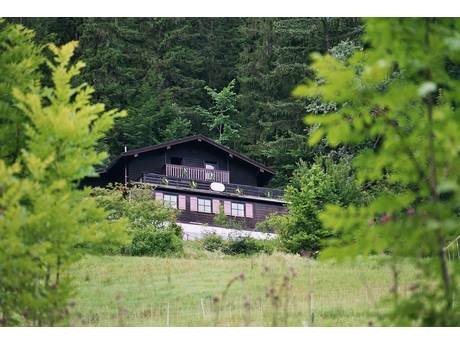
(213, 242)
(310, 189)
(238, 245)
(221, 219)
(155, 243)
(300, 242)
(247, 246)
(268, 246)
(152, 226)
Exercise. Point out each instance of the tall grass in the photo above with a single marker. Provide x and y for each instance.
(276, 290)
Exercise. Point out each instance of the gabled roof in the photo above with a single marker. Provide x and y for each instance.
(198, 137)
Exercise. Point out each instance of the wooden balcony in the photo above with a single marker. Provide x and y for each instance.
(231, 188)
(198, 174)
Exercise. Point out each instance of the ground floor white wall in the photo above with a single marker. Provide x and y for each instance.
(197, 231)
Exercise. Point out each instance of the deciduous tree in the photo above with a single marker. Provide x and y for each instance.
(400, 94)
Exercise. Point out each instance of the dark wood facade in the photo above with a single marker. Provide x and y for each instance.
(184, 169)
(261, 207)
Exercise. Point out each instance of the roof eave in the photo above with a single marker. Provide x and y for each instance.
(185, 140)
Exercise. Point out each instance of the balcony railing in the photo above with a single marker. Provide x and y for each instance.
(202, 185)
(199, 174)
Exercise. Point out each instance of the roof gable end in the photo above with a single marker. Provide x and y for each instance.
(198, 137)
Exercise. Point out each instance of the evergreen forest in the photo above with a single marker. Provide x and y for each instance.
(164, 71)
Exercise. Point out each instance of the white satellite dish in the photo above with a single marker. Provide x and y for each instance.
(217, 186)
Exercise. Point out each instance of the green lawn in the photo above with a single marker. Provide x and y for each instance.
(145, 291)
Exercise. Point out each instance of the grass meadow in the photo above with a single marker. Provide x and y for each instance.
(211, 289)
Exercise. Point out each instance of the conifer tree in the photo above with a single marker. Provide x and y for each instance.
(19, 61)
(222, 115)
(45, 221)
(157, 68)
(275, 59)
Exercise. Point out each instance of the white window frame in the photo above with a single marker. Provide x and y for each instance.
(170, 200)
(237, 209)
(204, 205)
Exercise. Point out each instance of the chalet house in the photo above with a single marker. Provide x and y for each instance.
(201, 178)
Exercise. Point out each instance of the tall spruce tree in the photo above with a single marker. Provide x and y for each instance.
(157, 68)
(274, 61)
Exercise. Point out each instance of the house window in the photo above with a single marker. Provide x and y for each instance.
(237, 209)
(170, 200)
(176, 160)
(204, 205)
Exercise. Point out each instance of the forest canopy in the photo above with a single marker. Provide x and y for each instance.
(161, 70)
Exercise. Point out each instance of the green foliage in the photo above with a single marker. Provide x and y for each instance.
(221, 219)
(177, 128)
(247, 246)
(241, 245)
(344, 50)
(19, 62)
(151, 226)
(310, 189)
(212, 242)
(155, 243)
(275, 58)
(399, 92)
(223, 113)
(46, 223)
(158, 68)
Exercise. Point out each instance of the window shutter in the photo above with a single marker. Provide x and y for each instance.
(158, 196)
(227, 208)
(249, 211)
(215, 205)
(182, 202)
(193, 203)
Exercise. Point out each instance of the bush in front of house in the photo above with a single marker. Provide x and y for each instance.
(238, 245)
(151, 226)
(221, 219)
(213, 242)
(241, 246)
(151, 242)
